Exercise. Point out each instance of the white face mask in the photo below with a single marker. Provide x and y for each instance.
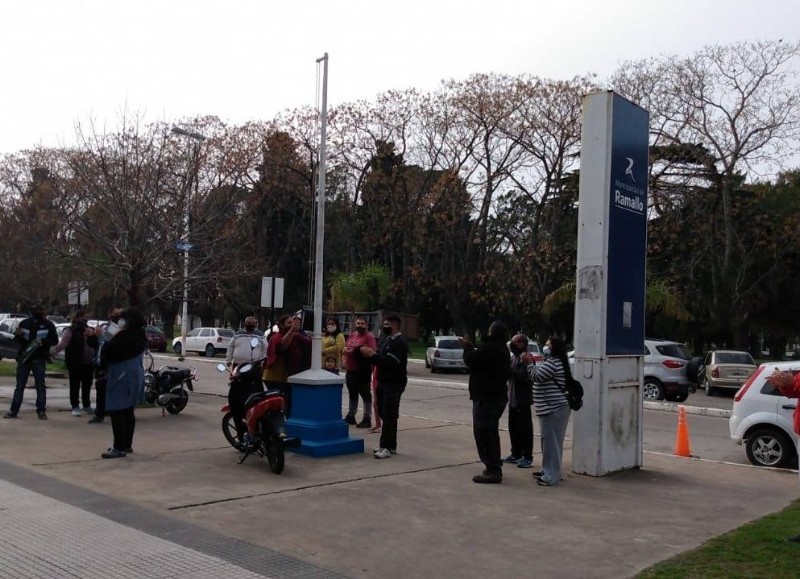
(122, 323)
(546, 350)
(331, 328)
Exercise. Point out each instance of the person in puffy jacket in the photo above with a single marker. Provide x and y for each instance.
(488, 389)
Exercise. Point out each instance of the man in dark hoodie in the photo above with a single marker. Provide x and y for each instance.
(488, 389)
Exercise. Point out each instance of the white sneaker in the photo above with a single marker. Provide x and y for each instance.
(76, 411)
(382, 453)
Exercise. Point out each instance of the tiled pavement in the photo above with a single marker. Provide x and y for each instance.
(51, 529)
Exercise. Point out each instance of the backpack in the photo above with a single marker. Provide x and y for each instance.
(573, 391)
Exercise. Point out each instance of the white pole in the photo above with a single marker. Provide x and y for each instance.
(185, 306)
(316, 345)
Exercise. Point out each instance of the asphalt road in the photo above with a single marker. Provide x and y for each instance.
(443, 397)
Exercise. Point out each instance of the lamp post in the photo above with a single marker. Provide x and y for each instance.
(184, 243)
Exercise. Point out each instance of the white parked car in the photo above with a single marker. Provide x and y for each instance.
(445, 353)
(762, 418)
(205, 341)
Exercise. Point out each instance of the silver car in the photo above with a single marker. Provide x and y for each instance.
(445, 353)
(665, 371)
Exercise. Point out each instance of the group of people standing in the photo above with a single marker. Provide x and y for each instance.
(110, 356)
(507, 376)
(374, 372)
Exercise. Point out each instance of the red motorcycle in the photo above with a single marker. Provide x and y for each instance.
(265, 422)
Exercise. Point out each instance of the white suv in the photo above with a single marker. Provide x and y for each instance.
(762, 418)
(665, 371)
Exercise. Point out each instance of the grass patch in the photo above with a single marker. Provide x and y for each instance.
(9, 368)
(417, 350)
(758, 549)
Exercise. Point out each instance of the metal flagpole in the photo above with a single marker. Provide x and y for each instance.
(316, 346)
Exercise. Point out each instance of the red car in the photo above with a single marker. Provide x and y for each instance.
(156, 340)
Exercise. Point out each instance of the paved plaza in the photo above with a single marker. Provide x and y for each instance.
(181, 506)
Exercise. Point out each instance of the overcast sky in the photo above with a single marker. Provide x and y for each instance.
(65, 61)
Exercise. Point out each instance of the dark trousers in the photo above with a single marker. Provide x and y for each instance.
(23, 371)
(520, 431)
(123, 422)
(100, 390)
(80, 381)
(388, 406)
(358, 384)
(486, 428)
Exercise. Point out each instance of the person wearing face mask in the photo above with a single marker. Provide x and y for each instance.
(520, 420)
(104, 335)
(241, 350)
(34, 335)
(551, 407)
(123, 357)
(391, 360)
(358, 371)
(332, 342)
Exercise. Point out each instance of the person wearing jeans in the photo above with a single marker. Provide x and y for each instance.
(489, 370)
(35, 335)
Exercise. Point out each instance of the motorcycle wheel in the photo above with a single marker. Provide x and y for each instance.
(273, 449)
(229, 430)
(176, 405)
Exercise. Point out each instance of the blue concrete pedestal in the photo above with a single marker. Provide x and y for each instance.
(317, 415)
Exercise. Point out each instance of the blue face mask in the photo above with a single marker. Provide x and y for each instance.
(547, 351)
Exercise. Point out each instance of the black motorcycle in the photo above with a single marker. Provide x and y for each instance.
(167, 387)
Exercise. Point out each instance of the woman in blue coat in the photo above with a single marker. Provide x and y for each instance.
(123, 356)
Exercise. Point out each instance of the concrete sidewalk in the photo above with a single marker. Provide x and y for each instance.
(415, 515)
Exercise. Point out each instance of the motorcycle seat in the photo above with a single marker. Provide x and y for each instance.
(254, 399)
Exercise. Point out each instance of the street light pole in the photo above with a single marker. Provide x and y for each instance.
(185, 241)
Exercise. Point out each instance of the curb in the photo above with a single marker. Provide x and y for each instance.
(660, 406)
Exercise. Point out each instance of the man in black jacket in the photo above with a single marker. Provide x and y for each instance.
(391, 360)
(489, 371)
(35, 335)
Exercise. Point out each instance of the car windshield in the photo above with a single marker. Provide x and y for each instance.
(674, 351)
(153, 330)
(449, 345)
(734, 358)
(225, 333)
(533, 348)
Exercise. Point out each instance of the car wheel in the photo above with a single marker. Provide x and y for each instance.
(768, 446)
(177, 348)
(695, 370)
(433, 370)
(427, 364)
(709, 389)
(653, 389)
(210, 350)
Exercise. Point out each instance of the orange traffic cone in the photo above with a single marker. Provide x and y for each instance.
(682, 436)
